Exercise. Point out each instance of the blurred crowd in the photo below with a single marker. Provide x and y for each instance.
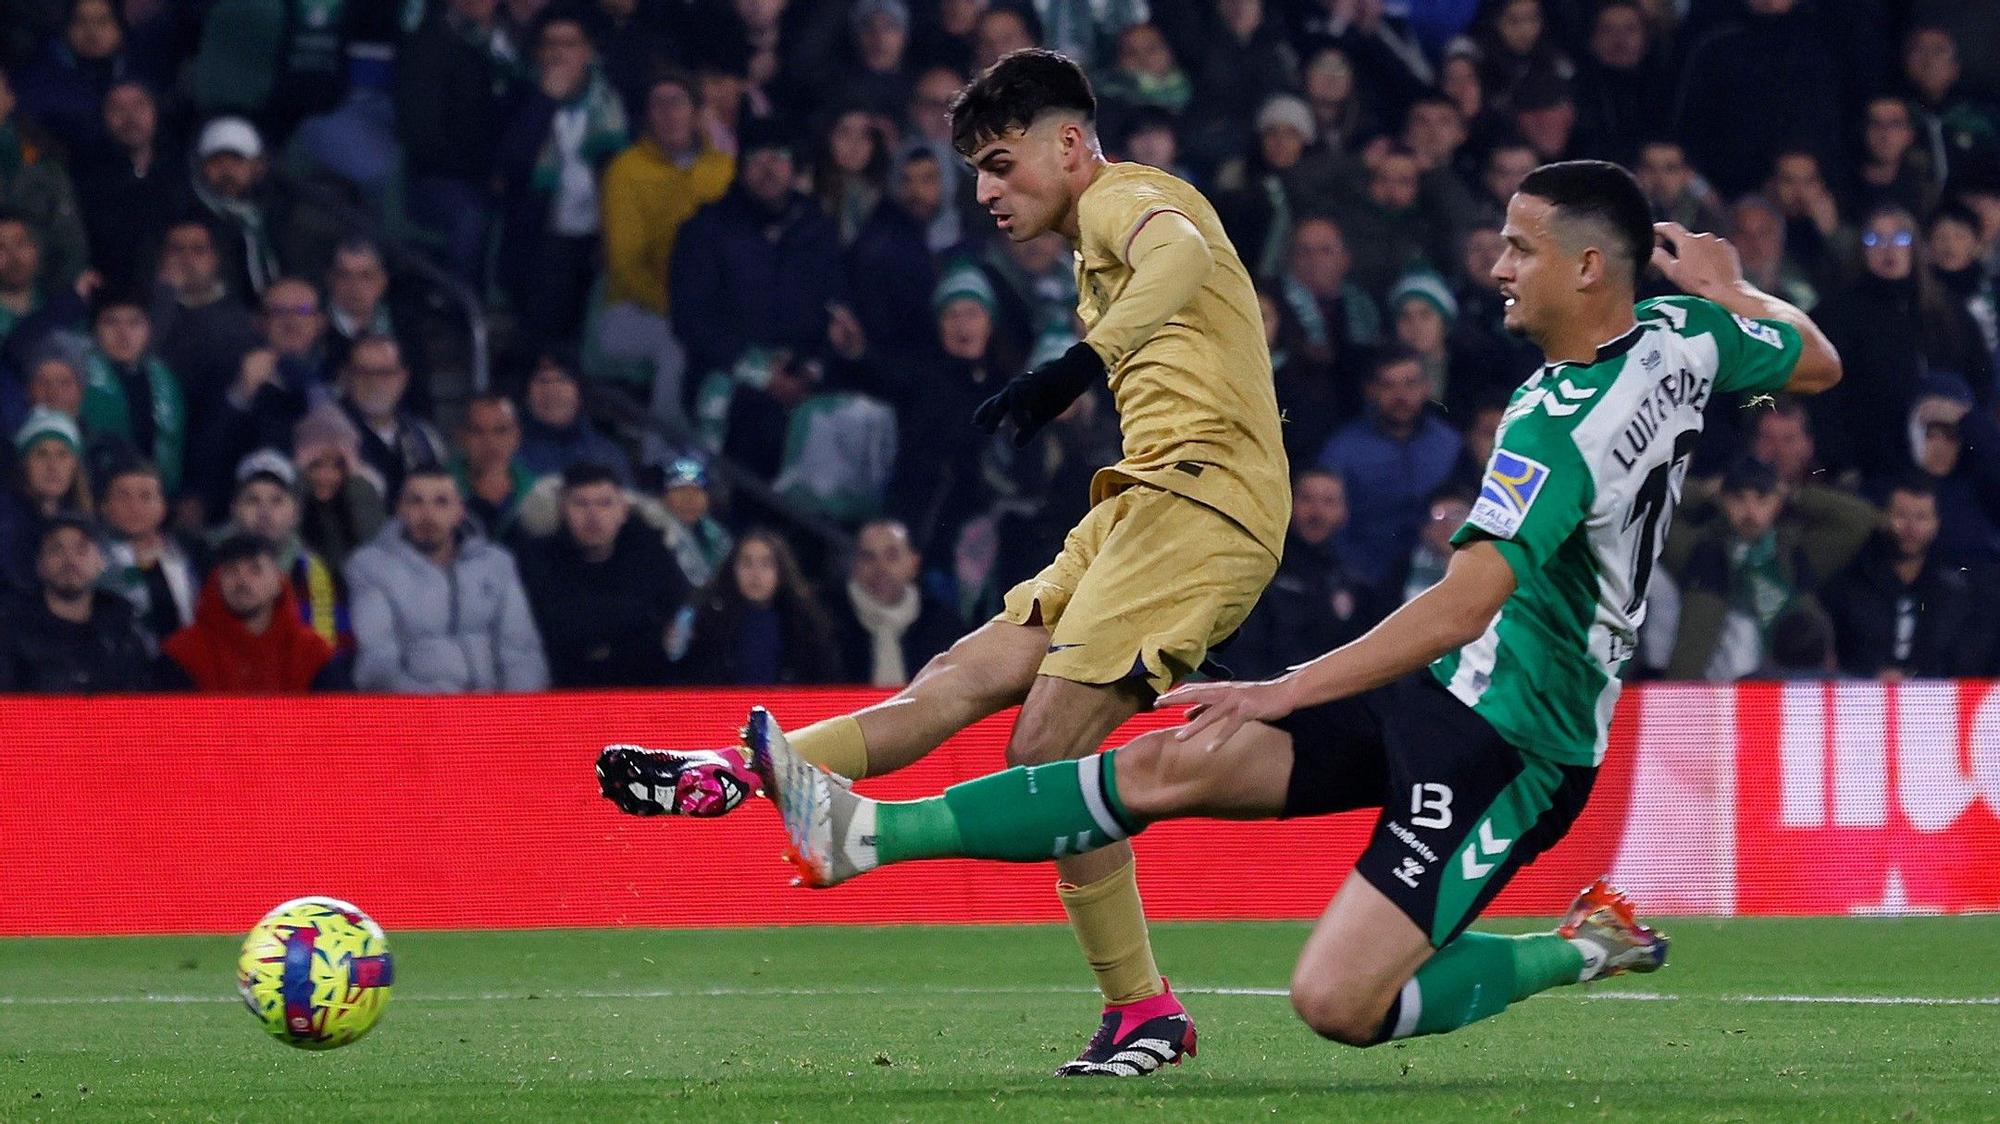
(742, 302)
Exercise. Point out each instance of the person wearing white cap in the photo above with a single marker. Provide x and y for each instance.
(1285, 179)
(230, 182)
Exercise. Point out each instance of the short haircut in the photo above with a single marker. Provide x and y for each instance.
(118, 298)
(238, 548)
(1603, 194)
(1014, 92)
(1394, 355)
(675, 76)
(1748, 474)
(14, 216)
(130, 466)
(1952, 210)
(362, 244)
(1787, 407)
(489, 398)
(585, 473)
(1315, 472)
(1801, 638)
(373, 339)
(427, 472)
(1912, 483)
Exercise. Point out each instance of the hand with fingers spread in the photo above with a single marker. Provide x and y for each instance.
(1221, 709)
(1700, 264)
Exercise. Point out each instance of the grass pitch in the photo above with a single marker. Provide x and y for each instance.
(1754, 1020)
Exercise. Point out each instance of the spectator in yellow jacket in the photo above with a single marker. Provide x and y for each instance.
(649, 190)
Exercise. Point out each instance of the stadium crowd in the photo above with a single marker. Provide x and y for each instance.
(745, 304)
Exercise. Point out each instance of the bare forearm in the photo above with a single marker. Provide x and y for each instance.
(1431, 625)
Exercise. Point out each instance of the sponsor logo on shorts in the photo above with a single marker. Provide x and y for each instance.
(1411, 841)
(1411, 869)
(1508, 492)
(1054, 648)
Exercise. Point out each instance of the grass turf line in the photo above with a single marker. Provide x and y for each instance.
(969, 1021)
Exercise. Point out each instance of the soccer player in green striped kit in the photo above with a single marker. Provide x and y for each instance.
(1475, 716)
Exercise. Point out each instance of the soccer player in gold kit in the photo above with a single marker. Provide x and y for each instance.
(1182, 536)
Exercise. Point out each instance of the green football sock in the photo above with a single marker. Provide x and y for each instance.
(1478, 975)
(1026, 814)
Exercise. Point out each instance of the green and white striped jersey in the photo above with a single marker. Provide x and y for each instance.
(1585, 476)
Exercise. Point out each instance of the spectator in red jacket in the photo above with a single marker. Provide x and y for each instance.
(247, 638)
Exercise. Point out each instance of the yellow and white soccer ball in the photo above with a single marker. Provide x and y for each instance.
(316, 972)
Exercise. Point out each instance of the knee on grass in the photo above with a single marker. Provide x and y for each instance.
(1339, 1014)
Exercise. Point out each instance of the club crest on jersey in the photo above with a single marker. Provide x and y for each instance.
(1762, 333)
(1512, 482)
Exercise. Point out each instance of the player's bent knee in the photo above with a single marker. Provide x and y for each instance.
(1338, 1016)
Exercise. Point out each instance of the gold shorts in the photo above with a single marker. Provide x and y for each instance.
(1143, 586)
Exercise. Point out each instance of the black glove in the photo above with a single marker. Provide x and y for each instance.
(1037, 398)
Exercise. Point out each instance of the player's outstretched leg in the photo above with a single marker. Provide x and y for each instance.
(986, 671)
(1347, 988)
(1031, 814)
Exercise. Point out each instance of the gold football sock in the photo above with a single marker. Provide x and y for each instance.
(835, 745)
(1110, 924)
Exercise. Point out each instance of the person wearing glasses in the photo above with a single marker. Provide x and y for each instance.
(1894, 323)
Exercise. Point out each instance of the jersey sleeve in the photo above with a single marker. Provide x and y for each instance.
(1751, 356)
(1534, 495)
(1112, 216)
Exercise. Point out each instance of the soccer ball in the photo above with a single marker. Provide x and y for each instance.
(316, 972)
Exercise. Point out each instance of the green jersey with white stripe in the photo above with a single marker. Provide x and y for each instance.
(1585, 475)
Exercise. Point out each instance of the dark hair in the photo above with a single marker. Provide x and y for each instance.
(373, 339)
(128, 465)
(1146, 119)
(1914, 483)
(66, 521)
(362, 244)
(1784, 407)
(427, 472)
(1801, 639)
(807, 635)
(1393, 355)
(16, 215)
(675, 76)
(1952, 210)
(1015, 91)
(108, 299)
(1601, 192)
(1291, 334)
(1748, 474)
(237, 548)
(585, 473)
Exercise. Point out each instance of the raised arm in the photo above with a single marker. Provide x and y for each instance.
(1706, 266)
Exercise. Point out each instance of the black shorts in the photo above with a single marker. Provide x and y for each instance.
(1462, 809)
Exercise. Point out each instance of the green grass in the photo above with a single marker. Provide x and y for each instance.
(932, 1024)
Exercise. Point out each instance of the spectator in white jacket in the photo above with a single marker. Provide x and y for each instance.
(438, 609)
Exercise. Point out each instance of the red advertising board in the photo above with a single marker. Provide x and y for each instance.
(180, 814)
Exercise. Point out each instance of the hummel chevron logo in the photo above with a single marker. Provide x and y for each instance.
(1485, 847)
(1571, 394)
